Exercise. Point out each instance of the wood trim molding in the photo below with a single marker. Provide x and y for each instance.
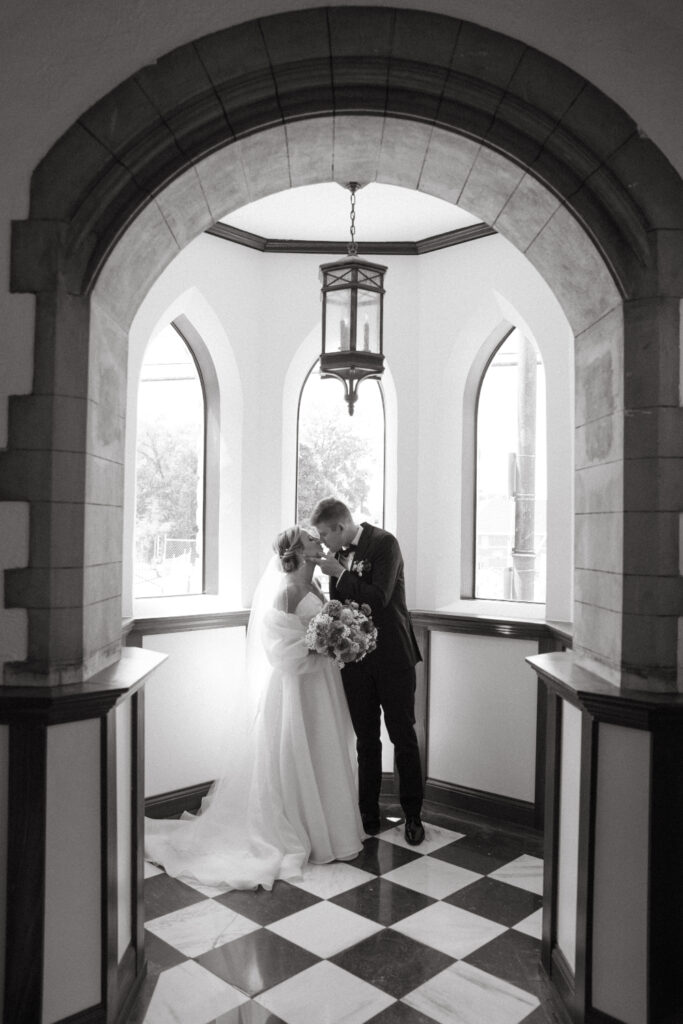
(173, 803)
(285, 245)
(154, 624)
(484, 625)
(477, 801)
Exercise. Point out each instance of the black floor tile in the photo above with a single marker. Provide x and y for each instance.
(160, 955)
(515, 958)
(257, 961)
(392, 962)
(144, 998)
(265, 907)
(481, 852)
(163, 895)
(382, 901)
(379, 857)
(400, 1013)
(497, 901)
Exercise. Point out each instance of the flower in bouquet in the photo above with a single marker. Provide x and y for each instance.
(344, 632)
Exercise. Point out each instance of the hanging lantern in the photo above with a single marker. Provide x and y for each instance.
(352, 296)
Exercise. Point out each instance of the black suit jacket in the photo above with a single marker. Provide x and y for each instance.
(379, 582)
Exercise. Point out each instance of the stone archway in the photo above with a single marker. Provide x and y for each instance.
(432, 103)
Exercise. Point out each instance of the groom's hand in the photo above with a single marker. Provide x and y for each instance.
(329, 565)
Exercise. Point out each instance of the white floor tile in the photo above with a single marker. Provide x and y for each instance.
(325, 929)
(432, 877)
(531, 925)
(206, 890)
(151, 870)
(324, 994)
(449, 929)
(188, 994)
(463, 994)
(203, 926)
(526, 872)
(327, 880)
(435, 838)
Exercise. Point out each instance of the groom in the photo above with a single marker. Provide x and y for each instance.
(365, 564)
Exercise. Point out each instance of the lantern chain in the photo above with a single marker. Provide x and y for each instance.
(353, 247)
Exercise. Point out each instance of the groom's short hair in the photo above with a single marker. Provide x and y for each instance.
(330, 510)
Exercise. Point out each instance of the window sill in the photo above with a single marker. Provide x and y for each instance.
(496, 609)
(186, 604)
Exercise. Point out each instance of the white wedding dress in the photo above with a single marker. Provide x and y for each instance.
(290, 796)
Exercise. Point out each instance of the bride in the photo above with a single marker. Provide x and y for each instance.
(288, 796)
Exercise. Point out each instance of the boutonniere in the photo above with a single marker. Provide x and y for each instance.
(362, 566)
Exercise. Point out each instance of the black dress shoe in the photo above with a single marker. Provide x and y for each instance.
(415, 832)
(371, 826)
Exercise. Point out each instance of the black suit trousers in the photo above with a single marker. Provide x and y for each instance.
(369, 689)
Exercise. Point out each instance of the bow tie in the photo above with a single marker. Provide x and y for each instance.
(348, 548)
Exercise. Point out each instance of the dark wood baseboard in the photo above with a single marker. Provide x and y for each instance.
(562, 977)
(170, 805)
(477, 801)
(93, 1015)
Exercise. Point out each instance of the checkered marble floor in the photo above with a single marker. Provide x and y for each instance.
(446, 932)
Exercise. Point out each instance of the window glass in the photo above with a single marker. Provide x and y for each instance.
(338, 454)
(510, 558)
(169, 471)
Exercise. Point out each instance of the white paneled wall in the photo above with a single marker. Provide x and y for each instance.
(482, 714)
(568, 847)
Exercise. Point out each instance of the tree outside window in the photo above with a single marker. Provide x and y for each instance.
(338, 454)
(169, 471)
(511, 475)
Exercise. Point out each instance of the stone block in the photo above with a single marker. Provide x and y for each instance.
(14, 528)
(299, 50)
(121, 118)
(545, 84)
(568, 260)
(651, 352)
(599, 488)
(651, 180)
(403, 148)
(615, 220)
(653, 595)
(55, 640)
(103, 480)
(599, 441)
(30, 475)
(601, 125)
(184, 207)
(238, 64)
(310, 146)
(103, 534)
(425, 38)
(415, 90)
(487, 56)
(600, 589)
(491, 182)
(57, 534)
(599, 541)
(667, 250)
(181, 91)
(649, 644)
(597, 633)
(101, 632)
(651, 543)
(101, 582)
(48, 421)
(518, 131)
(361, 31)
(447, 165)
(265, 161)
(36, 254)
(653, 485)
(468, 106)
(66, 173)
(44, 588)
(134, 264)
(108, 373)
(357, 142)
(60, 362)
(527, 211)
(650, 432)
(223, 181)
(599, 368)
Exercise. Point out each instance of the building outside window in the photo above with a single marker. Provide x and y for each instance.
(169, 471)
(511, 486)
(338, 454)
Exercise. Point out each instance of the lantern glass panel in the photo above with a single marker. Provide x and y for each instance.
(368, 322)
(337, 320)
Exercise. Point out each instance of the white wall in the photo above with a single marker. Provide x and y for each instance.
(482, 714)
(568, 845)
(259, 317)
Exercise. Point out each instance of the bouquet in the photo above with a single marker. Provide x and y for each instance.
(344, 632)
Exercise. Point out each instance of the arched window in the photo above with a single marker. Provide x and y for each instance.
(511, 487)
(169, 477)
(338, 454)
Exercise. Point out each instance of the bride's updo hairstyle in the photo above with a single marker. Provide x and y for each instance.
(288, 546)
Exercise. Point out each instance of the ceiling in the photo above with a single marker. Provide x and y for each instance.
(384, 213)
